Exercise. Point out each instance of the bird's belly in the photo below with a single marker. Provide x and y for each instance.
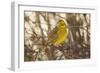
(61, 38)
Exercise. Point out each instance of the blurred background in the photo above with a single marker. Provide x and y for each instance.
(37, 26)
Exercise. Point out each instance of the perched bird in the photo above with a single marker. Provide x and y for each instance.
(58, 35)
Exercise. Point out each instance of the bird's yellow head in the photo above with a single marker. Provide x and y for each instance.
(61, 24)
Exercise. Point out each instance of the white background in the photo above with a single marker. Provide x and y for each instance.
(5, 36)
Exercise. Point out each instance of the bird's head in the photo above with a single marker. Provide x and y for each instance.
(61, 24)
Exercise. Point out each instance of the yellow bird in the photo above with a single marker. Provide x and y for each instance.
(58, 35)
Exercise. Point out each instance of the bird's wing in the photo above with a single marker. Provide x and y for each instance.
(53, 34)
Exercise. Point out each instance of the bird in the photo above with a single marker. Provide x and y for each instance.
(58, 35)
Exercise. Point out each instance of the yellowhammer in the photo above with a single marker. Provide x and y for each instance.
(58, 34)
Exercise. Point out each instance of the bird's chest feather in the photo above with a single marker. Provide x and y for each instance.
(62, 33)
